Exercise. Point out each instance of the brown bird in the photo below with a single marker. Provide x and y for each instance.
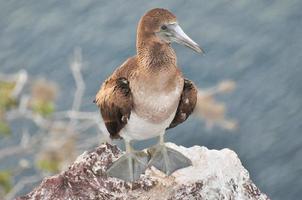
(148, 94)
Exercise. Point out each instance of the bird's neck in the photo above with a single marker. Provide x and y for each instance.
(155, 55)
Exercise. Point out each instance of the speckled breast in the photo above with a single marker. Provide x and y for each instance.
(155, 102)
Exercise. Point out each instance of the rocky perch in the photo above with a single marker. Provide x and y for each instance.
(214, 175)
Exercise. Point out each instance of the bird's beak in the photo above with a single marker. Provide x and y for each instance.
(176, 34)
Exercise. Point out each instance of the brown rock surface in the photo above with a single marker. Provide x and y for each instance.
(214, 175)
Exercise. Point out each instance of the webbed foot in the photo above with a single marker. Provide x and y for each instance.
(129, 167)
(166, 159)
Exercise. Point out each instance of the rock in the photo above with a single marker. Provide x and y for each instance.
(214, 175)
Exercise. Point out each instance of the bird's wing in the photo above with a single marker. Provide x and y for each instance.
(186, 104)
(115, 100)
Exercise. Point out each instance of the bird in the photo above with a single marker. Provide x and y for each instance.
(147, 95)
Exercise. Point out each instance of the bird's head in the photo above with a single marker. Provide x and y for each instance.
(160, 25)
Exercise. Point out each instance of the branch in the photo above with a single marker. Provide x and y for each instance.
(75, 67)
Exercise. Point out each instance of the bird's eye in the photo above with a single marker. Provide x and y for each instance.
(163, 27)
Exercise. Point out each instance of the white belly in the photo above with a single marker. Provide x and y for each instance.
(138, 128)
(153, 112)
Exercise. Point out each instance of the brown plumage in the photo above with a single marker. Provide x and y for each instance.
(186, 105)
(115, 100)
(139, 83)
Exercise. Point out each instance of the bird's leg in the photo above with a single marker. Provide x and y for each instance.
(130, 166)
(166, 159)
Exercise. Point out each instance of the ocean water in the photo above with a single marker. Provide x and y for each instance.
(256, 43)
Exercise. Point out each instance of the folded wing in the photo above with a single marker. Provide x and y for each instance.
(115, 102)
(186, 104)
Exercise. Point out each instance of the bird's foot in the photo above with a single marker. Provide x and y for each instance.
(166, 159)
(130, 166)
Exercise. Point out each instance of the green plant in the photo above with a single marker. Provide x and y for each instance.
(48, 165)
(5, 180)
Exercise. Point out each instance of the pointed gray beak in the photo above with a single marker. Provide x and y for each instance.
(174, 33)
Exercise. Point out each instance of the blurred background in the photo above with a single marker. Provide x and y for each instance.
(55, 54)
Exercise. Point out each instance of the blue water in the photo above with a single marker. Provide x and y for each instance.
(256, 43)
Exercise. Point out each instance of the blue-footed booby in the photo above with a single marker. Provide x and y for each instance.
(148, 94)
